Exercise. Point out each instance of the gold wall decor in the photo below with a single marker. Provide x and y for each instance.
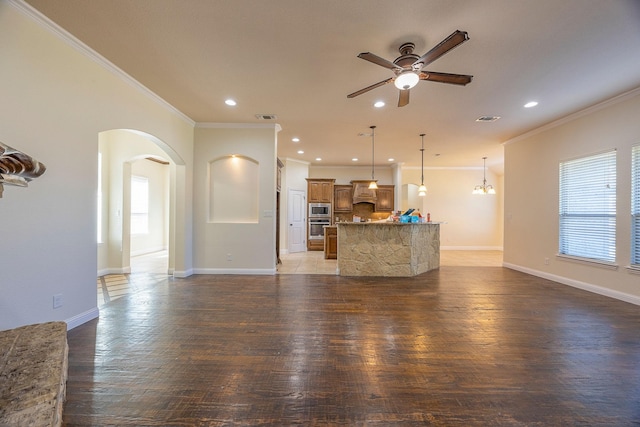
(17, 168)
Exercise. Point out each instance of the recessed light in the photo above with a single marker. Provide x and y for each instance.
(390, 159)
(530, 104)
(295, 139)
(355, 159)
(230, 102)
(318, 159)
(379, 104)
(300, 152)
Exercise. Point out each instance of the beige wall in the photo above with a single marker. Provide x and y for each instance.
(531, 188)
(55, 101)
(471, 222)
(235, 248)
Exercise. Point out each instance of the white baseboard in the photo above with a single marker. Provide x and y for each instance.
(182, 274)
(246, 271)
(105, 271)
(471, 248)
(622, 296)
(82, 318)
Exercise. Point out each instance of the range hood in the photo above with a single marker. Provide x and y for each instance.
(362, 193)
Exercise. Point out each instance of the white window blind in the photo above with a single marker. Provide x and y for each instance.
(588, 207)
(635, 206)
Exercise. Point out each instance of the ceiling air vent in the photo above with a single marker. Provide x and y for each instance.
(487, 118)
(266, 116)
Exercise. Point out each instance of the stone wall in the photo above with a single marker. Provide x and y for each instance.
(387, 249)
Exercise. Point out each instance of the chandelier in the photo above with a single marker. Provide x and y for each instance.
(484, 188)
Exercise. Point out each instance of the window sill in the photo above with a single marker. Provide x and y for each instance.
(633, 269)
(588, 261)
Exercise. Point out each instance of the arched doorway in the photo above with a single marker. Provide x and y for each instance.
(126, 157)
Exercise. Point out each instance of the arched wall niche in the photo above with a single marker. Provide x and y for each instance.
(231, 189)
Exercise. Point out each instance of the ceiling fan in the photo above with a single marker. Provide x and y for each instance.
(408, 67)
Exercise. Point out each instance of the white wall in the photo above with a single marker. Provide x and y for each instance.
(226, 247)
(55, 101)
(531, 188)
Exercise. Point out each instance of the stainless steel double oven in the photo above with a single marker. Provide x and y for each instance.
(319, 216)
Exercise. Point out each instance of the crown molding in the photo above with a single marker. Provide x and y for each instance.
(571, 117)
(86, 51)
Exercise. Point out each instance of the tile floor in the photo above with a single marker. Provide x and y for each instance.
(152, 268)
(146, 270)
(313, 262)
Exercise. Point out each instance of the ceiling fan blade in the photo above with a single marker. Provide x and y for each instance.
(377, 60)
(454, 39)
(368, 88)
(454, 79)
(404, 98)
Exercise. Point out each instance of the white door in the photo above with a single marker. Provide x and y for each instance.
(296, 216)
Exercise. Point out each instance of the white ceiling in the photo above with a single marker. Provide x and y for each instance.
(297, 59)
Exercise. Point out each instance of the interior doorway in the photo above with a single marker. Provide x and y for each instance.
(149, 180)
(296, 221)
(121, 154)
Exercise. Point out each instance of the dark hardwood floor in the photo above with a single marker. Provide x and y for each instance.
(459, 346)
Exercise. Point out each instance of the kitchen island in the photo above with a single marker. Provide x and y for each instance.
(388, 249)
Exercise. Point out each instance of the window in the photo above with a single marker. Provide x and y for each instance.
(139, 205)
(588, 207)
(635, 206)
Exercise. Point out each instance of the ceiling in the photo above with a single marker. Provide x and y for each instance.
(297, 59)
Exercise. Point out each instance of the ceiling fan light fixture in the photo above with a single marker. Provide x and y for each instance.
(406, 80)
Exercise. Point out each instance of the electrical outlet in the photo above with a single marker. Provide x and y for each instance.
(546, 261)
(57, 301)
(229, 257)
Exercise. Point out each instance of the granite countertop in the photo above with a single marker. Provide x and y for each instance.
(387, 223)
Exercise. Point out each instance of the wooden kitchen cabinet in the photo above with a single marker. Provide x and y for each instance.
(320, 190)
(331, 242)
(342, 198)
(385, 196)
(315, 245)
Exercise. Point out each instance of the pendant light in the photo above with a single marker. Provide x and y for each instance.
(372, 184)
(422, 190)
(484, 188)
